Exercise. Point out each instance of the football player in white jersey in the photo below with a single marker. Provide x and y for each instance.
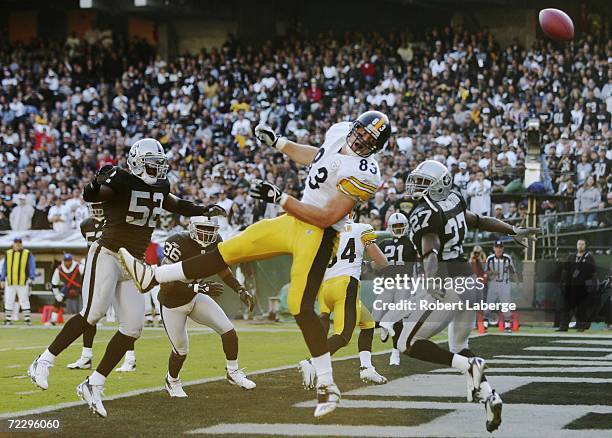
(339, 294)
(342, 173)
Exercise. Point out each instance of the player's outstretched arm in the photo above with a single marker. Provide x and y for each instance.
(174, 204)
(379, 260)
(228, 278)
(486, 223)
(300, 153)
(98, 190)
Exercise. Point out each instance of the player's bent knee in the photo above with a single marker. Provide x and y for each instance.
(132, 332)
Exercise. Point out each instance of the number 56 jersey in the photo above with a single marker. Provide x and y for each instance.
(132, 214)
(332, 172)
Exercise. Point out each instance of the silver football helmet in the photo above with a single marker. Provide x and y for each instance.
(147, 160)
(96, 211)
(430, 178)
(203, 230)
(398, 224)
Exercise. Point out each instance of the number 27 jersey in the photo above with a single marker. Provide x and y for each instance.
(332, 172)
(446, 219)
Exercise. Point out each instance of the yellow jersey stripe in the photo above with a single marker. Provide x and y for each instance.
(363, 184)
(350, 189)
(368, 237)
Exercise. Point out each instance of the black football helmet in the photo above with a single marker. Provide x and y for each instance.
(369, 133)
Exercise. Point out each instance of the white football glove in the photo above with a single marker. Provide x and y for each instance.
(527, 232)
(266, 134)
(58, 296)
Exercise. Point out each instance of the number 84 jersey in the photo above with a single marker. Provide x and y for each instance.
(352, 243)
(332, 172)
(444, 218)
(132, 214)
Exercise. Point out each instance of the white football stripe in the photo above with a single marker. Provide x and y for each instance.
(573, 349)
(581, 362)
(585, 341)
(527, 356)
(561, 370)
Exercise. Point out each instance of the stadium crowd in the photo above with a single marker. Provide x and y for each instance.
(67, 108)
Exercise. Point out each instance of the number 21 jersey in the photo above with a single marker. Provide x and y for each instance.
(131, 215)
(332, 172)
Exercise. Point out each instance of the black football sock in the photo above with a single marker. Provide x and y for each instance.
(203, 265)
(115, 350)
(364, 342)
(69, 333)
(26, 315)
(88, 336)
(230, 344)
(430, 352)
(325, 322)
(312, 330)
(336, 342)
(397, 327)
(175, 363)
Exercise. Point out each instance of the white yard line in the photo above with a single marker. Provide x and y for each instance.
(530, 357)
(534, 370)
(585, 341)
(573, 349)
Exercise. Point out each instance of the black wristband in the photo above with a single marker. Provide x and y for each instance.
(233, 283)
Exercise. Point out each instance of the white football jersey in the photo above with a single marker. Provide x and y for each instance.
(332, 172)
(352, 242)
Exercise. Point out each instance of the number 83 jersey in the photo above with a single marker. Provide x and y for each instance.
(332, 172)
(446, 219)
(132, 214)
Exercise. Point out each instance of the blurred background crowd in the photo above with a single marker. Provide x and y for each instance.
(68, 107)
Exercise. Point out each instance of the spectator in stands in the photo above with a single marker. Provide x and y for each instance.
(21, 215)
(60, 216)
(588, 198)
(40, 219)
(479, 192)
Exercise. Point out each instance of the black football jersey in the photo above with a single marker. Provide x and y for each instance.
(178, 247)
(401, 255)
(91, 230)
(447, 220)
(132, 214)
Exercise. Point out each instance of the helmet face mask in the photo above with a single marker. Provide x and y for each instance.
(431, 179)
(96, 211)
(369, 134)
(147, 160)
(203, 230)
(398, 224)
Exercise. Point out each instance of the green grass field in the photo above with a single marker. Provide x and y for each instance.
(548, 384)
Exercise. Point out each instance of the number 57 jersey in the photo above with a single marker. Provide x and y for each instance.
(132, 214)
(332, 172)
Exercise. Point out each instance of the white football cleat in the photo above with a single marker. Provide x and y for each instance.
(82, 363)
(370, 375)
(474, 376)
(38, 371)
(174, 387)
(394, 359)
(239, 379)
(127, 367)
(309, 374)
(328, 398)
(92, 394)
(493, 406)
(142, 273)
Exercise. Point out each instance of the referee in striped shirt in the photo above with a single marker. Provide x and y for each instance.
(500, 272)
(18, 270)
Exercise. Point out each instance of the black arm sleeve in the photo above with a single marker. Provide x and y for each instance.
(188, 208)
(90, 194)
(231, 281)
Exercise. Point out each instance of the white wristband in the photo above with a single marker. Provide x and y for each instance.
(283, 199)
(281, 142)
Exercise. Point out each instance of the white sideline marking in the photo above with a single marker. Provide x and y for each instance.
(452, 385)
(15, 366)
(510, 370)
(573, 349)
(591, 335)
(585, 342)
(551, 362)
(465, 420)
(25, 392)
(527, 356)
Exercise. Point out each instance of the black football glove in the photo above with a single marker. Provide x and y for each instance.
(104, 174)
(265, 191)
(211, 288)
(247, 298)
(214, 210)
